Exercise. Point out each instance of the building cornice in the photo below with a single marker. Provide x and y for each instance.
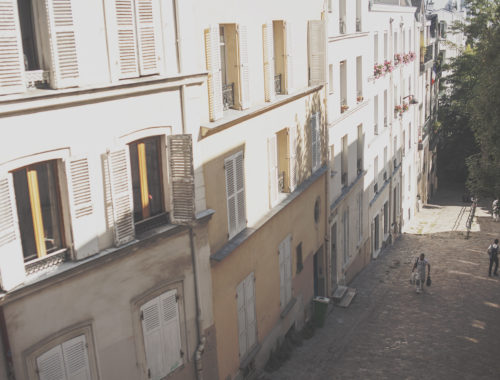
(386, 8)
(341, 37)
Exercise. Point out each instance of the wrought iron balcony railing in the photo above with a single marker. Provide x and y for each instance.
(228, 95)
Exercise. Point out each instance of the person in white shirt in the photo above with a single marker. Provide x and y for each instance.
(420, 264)
(495, 210)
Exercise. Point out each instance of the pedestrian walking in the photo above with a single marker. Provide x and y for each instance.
(493, 253)
(495, 210)
(420, 264)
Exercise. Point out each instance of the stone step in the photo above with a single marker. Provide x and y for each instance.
(339, 293)
(346, 300)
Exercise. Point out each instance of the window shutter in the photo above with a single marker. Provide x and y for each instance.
(240, 192)
(180, 155)
(273, 170)
(50, 365)
(242, 333)
(244, 72)
(212, 52)
(121, 193)
(317, 52)
(126, 39)
(81, 207)
(147, 37)
(289, 56)
(171, 330)
(268, 46)
(281, 260)
(293, 157)
(76, 359)
(235, 192)
(251, 325)
(11, 254)
(64, 70)
(151, 329)
(11, 49)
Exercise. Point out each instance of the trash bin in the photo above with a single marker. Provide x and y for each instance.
(320, 308)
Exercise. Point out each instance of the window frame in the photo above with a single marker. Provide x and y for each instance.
(240, 225)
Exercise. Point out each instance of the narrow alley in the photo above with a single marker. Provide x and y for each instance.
(451, 331)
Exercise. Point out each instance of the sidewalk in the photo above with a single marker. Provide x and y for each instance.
(451, 331)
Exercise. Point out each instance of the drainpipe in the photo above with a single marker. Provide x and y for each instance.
(6, 347)
(177, 36)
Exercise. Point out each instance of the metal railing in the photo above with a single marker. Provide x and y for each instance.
(277, 84)
(385, 121)
(281, 182)
(359, 165)
(228, 96)
(375, 188)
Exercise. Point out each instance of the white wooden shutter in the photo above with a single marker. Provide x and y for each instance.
(212, 54)
(289, 56)
(11, 49)
(83, 219)
(171, 332)
(121, 193)
(180, 155)
(243, 62)
(251, 324)
(235, 192)
(281, 261)
(268, 46)
(147, 38)
(242, 333)
(11, 254)
(273, 170)
(76, 359)
(128, 61)
(64, 71)
(50, 365)
(152, 332)
(240, 192)
(292, 134)
(317, 52)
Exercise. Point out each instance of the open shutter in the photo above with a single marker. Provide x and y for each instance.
(288, 33)
(126, 39)
(171, 330)
(11, 254)
(64, 71)
(151, 329)
(82, 210)
(317, 52)
(121, 193)
(251, 325)
(11, 49)
(76, 359)
(230, 172)
(50, 365)
(273, 170)
(268, 46)
(240, 192)
(292, 135)
(147, 37)
(281, 260)
(242, 333)
(180, 155)
(288, 267)
(212, 52)
(243, 62)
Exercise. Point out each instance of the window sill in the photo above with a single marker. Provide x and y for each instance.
(288, 307)
(348, 113)
(345, 36)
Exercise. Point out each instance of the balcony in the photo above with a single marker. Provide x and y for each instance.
(277, 84)
(228, 96)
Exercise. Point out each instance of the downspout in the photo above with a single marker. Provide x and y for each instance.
(9, 368)
(177, 36)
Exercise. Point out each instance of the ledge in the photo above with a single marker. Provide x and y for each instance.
(347, 36)
(377, 195)
(348, 113)
(288, 307)
(237, 117)
(240, 238)
(346, 190)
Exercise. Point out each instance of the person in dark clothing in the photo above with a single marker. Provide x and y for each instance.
(493, 253)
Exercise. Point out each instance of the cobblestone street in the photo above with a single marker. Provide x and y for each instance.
(451, 331)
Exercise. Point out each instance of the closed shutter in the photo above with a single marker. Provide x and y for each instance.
(212, 54)
(171, 330)
(242, 334)
(64, 71)
(273, 170)
(268, 46)
(11, 50)
(317, 52)
(240, 192)
(50, 365)
(147, 38)
(82, 209)
(152, 332)
(11, 254)
(281, 261)
(121, 193)
(289, 57)
(235, 192)
(251, 324)
(126, 39)
(180, 149)
(244, 72)
(293, 157)
(76, 359)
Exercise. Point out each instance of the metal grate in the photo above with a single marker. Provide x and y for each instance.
(50, 260)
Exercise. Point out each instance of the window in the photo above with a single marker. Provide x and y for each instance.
(385, 108)
(298, 252)
(235, 192)
(385, 158)
(396, 50)
(317, 51)
(343, 161)
(283, 56)
(358, 15)
(272, 83)
(403, 143)
(375, 175)
(403, 38)
(285, 266)
(38, 209)
(247, 325)
(286, 162)
(375, 115)
(360, 148)
(330, 78)
(385, 46)
(145, 164)
(345, 224)
(359, 79)
(375, 48)
(409, 136)
(276, 183)
(342, 16)
(343, 87)
(316, 140)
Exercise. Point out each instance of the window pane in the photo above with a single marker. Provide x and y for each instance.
(24, 214)
(154, 176)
